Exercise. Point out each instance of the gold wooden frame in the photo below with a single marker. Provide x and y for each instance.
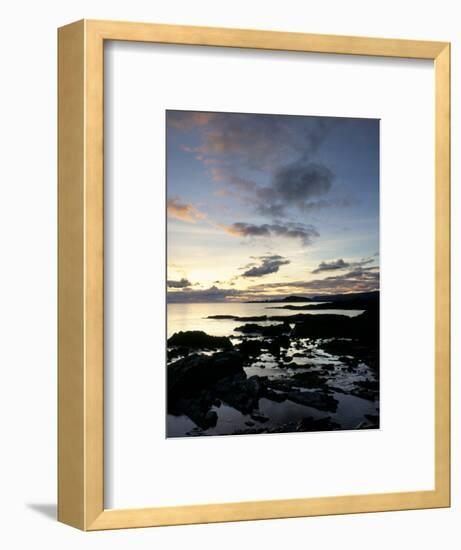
(81, 263)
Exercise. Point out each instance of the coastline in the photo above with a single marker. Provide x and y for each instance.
(284, 371)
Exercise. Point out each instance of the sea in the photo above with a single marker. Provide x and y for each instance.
(185, 316)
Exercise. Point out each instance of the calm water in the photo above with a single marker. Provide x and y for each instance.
(351, 409)
(194, 316)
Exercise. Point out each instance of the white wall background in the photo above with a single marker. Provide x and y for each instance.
(28, 271)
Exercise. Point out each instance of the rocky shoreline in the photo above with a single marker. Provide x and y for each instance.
(313, 364)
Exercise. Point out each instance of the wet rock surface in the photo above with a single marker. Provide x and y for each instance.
(309, 372)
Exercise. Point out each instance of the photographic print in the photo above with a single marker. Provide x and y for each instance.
(272, 273)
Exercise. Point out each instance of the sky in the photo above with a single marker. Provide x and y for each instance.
(262, 206)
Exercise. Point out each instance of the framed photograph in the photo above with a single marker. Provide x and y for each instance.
(254, 275)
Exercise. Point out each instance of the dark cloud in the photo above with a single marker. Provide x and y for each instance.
(293, 186)
(289, 230)
(268, 264)
(310, 206)
(340, 264)
(233, 145)
(300, 181)
(318, 132)
(182, 283)
(331, 266)
(259, 141)
(212, 294)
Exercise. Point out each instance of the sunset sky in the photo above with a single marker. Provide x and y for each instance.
(262, 206)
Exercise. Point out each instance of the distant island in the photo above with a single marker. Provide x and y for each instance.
(352, 296)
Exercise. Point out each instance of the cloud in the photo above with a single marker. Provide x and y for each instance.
(259, 141)
(302, 180)
(212, 294)
(331, 266)
(225, 174)
(233, 145)
(358, 280)
(340, 264)
(183, 212)
(182, 283)
(186, 120)
(269, 264)
(289, 230)
(293, 186)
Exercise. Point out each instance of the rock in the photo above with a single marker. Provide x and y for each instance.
(315, 399)
(327, 367)
(177, 352)
(309, 379)
(364, 326)
(249, 328)
(258, 417)
(310, 424)
(237, 318)
(250, 348)
(372, 417)
(366, 389)
(371, 422)
(284, 340)
(270, 330)
(274, 396)
(353, 351)
(197, 339)
(194, 373)
(241, 393)
(322, 326)
(197, 408)
(210, 419)
(274, 348)
(295, 365)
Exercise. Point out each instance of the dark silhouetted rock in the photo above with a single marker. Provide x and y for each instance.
(197, 408)
(366, 389)
(310, 424)
(258, 417)
(237, 318)
(274, 348)
(174, 353)
(322, 326)
(195, 373)
(284, 340)
(241, 393)
(270, 330)
(197, 339)
(309, 379)
(250, 348)
(317, 400)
